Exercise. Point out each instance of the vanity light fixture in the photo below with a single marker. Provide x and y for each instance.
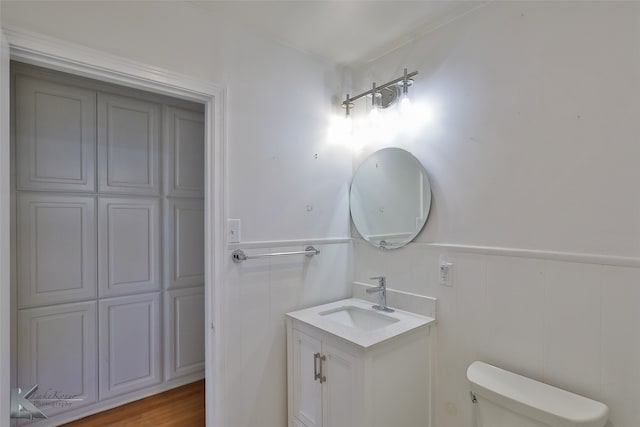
(384, 95)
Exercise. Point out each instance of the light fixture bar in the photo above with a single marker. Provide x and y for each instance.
(376, 89)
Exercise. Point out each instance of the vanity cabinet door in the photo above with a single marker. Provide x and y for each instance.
(337, 401)
(341, 393)
(307, 391)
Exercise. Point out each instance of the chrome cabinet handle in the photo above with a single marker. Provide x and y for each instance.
(317, 375)
(316, 357)
(323, 379)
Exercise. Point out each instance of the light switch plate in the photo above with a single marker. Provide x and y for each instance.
(233, 230)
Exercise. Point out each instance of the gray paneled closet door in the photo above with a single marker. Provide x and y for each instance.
(109, 216)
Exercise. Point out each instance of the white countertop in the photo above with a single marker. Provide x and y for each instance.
(406, 322)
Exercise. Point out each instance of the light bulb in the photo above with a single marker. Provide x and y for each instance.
(405, 104)
(340, 130)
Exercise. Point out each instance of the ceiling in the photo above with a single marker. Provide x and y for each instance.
(344, 31)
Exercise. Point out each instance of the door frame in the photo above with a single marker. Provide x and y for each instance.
(48, 52)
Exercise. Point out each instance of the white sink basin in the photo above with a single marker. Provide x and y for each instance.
(366, 320)
(355, 321)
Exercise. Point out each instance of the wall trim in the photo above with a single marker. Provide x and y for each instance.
(60, 55)
(582, 258)
(68, 57)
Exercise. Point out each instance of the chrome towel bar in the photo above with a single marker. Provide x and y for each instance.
(238, 255)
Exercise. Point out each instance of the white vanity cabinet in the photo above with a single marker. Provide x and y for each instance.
(333, 382)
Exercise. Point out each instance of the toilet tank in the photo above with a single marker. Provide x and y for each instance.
(506, 399)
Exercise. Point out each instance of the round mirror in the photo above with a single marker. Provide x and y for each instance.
(390, 198)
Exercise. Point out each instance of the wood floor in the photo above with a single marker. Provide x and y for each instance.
(182, 406)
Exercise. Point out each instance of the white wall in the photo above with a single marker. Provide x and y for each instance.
(534, 147)
(536, 123)
(278, 104)
(283, 181)
(154, 34)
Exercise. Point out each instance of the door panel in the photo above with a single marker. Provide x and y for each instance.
(184, 146)
(56, 249)
(128, 145)
(340, 369)
(185, 331)
(184, 259)
(129, 245)
(55, 136)
(307, 391)
(57, 350)
(129, 344)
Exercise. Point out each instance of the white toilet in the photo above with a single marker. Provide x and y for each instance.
(505, 399)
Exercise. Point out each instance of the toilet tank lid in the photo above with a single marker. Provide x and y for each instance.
(534, 399)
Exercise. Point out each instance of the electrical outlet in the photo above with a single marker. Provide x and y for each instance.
(446, 273)
(233, 231)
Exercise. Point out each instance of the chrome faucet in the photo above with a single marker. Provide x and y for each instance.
(382, 290)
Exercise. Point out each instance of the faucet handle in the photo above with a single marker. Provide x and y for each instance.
(381, 280)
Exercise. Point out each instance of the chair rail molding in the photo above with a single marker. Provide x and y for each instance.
(45, 51)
